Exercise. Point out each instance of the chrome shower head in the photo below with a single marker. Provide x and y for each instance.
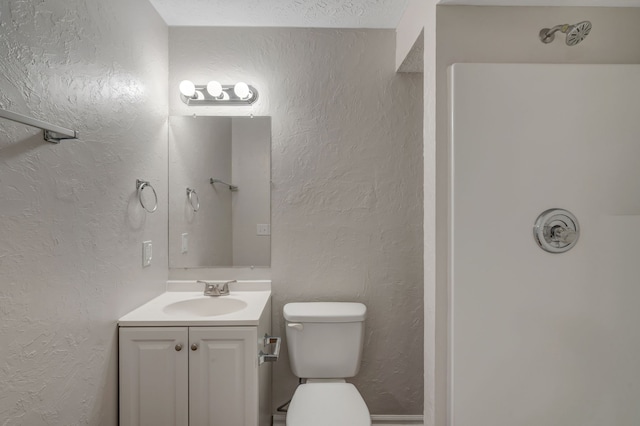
(578, 32)
(575, 33)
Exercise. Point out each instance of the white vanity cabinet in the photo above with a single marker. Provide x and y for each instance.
(194, 374)
(189, 376)
(223, 376)
(154, 376)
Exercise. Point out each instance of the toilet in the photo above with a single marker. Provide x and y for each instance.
(325, 347)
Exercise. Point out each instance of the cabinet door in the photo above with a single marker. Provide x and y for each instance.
(154, 387)
(223, 376)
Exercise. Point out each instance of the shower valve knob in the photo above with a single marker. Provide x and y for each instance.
(563, 235)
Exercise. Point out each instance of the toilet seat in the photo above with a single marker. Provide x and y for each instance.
(327, 404)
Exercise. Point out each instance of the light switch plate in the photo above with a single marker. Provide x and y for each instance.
(147, 253)
(263, 229)
(185, 242)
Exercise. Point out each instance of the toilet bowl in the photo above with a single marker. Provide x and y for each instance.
(324, 404)
(325, 342)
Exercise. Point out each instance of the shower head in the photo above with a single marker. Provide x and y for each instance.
(575, 33)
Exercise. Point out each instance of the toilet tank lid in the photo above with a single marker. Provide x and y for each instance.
(324, 312)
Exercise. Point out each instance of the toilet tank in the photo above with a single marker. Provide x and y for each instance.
(325, 339)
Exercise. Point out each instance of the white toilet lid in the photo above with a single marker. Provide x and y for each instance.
(324, 404)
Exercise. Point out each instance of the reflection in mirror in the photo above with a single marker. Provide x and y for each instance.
(227, 162)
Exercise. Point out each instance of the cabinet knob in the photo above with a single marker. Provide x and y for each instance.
(194, 347)
(178, 347)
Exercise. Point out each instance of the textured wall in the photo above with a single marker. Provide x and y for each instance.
(70, 225)
(509, 35)
(199, 150)
(347, 182)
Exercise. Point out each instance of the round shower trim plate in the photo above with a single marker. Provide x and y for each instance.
(550, 219)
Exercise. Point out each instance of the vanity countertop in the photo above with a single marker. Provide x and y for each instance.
(183, 304)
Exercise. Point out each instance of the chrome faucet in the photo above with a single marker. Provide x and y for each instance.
(214, 289)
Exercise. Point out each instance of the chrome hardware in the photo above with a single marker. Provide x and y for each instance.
(194, 200)
(194, 347)
(227, 97)
(273, 357)
(140, 186)
(232, 188)
(556, 230)
(563, 235)
(575, 33)
(51, 132)
(214, 289)
(178, 347)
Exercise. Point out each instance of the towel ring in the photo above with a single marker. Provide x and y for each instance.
(191, 193)
(140, 186)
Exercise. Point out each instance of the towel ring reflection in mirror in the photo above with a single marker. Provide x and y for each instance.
(194, 201)
(140, 186)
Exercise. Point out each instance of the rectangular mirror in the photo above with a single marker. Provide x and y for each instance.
(226, 222)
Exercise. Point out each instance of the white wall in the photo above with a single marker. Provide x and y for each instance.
(506, 34)
(71, 227)
(200, 149)
(251, 172)
(407, 33)
(540, 338)
(347, 177)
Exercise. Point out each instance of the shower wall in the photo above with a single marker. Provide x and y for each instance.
(504, 35)
(539, 338)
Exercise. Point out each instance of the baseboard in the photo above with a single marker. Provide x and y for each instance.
(389, 420)
(376, 420)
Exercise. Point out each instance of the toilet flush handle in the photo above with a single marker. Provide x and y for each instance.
(296, 325)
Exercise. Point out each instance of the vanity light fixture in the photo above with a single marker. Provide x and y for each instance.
(214, 93)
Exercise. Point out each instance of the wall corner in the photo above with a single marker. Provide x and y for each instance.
(409, 29)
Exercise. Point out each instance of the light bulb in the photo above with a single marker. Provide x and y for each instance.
(187, 88)
(241, 90)
(214, 88)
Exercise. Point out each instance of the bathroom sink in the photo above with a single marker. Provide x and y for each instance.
(184, 305)
(205, 306)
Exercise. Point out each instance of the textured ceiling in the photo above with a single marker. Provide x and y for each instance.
(282, 13)
(322, 13)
